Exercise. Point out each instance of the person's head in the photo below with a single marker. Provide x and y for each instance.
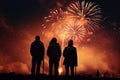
(70, 43)
(53, 40)
(37, 38)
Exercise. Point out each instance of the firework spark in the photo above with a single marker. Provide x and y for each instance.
(88, 14)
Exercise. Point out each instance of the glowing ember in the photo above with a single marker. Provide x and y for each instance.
(60, 70)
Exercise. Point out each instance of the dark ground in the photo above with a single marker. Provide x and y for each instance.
(13, 76)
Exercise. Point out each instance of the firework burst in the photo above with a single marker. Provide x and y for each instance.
(76, 22)
(75, 32)
(88, 14)
(54, 16)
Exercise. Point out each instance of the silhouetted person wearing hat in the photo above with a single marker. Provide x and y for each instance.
(70, 58)
(54, 54)
(37, 53)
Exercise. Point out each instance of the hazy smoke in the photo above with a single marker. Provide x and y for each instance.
(98, 53)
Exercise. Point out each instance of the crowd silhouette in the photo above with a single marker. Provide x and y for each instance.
(37, 51)
(54, 53)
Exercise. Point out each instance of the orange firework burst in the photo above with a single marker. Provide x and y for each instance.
(54, 16)
(59, 23)
(74, 32)
(88, 14)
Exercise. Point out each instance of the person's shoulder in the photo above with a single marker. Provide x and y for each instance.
(33, 43)
(74, 47)
(57, 44)
(40, 42)
(66, 47)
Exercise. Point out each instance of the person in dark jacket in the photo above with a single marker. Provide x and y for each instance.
(70, 58)
(54, 54)
(37, 53)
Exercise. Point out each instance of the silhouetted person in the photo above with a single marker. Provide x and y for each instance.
(54, 54)
(70, 58)
(37, 53)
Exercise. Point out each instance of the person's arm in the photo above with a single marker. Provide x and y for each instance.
(59, 50)
(43, 50)
(76, 56)
(64, 52)
(48, 51)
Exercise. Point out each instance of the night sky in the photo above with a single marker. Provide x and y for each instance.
(16, 11)
(20, 21)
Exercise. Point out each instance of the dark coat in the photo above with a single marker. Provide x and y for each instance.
(37, 49)
(54, 52)
(70, 56)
